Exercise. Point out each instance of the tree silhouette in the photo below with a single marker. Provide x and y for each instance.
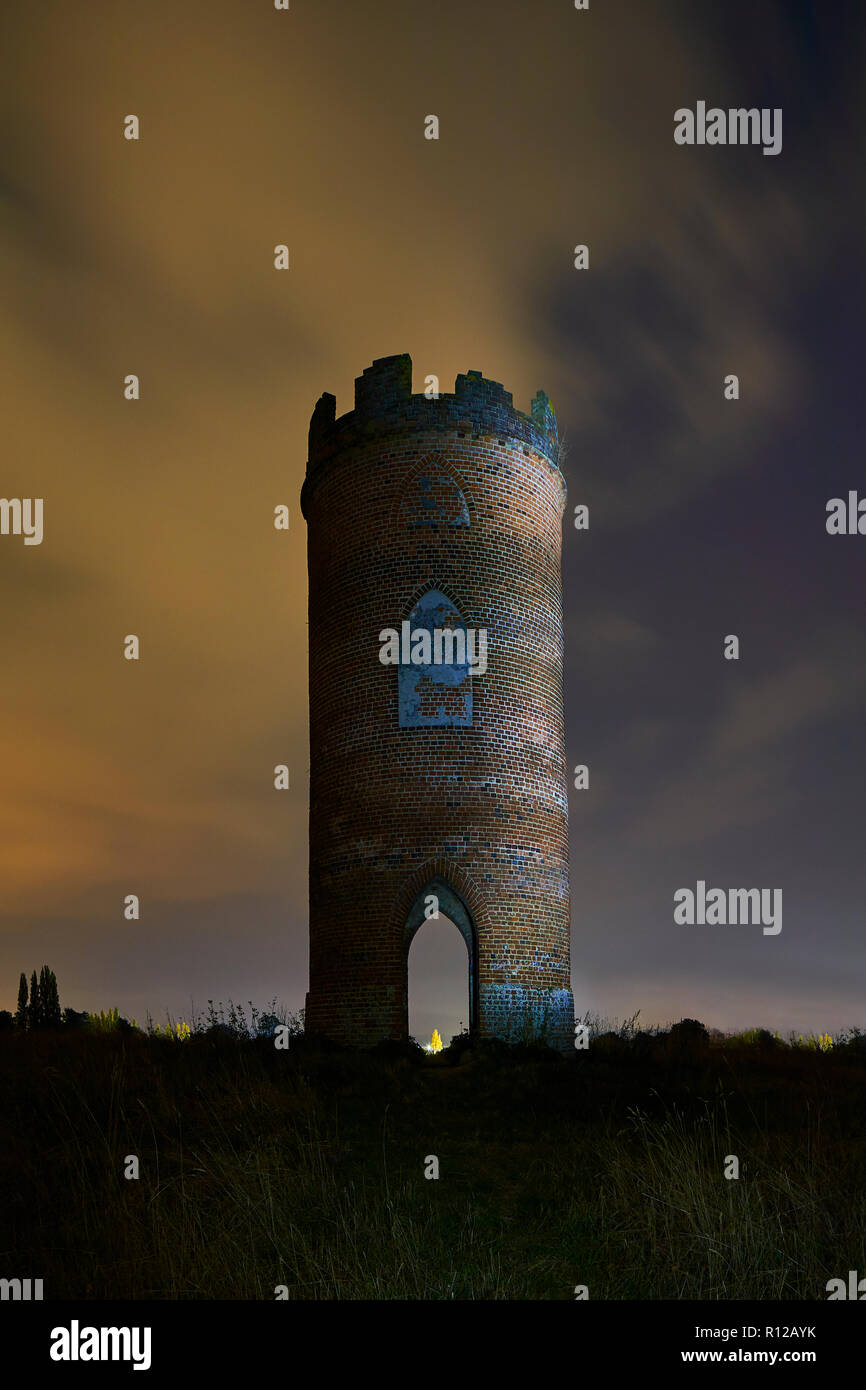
(21, 1011)
(56, 1011)
(49, 999)
(35, 1010)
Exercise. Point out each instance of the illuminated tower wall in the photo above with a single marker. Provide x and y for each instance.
(436, 780)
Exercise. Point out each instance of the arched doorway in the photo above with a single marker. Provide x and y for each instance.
(436, 951)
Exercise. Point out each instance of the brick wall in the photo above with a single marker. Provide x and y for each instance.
(463, 495)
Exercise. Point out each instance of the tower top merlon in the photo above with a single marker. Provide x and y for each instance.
(384, 386)
(321, 420)
(385, 405)
(544, 415)
(474, 389)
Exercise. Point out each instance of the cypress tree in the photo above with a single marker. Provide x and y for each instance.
(35, 1009)
(56, 1011)
(49, 1000)
(21, 1011)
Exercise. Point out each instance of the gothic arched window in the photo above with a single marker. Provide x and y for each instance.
(435, 686)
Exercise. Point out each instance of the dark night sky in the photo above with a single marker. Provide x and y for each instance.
(707, 516)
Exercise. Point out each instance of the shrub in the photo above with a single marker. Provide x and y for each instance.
(688, 1038)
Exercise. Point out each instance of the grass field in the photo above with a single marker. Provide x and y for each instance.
(305, 1168)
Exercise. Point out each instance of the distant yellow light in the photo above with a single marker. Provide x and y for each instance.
(436, 1041)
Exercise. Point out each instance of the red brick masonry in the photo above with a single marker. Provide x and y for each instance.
(463, 495)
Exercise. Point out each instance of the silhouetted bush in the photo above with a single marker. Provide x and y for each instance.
(73, 1019)
(688, 1038)
(534, 1052)
(853, 1044)
(396, 1050)
(479, 1050)
(315, 1044)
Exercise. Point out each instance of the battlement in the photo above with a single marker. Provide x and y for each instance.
(384, 404)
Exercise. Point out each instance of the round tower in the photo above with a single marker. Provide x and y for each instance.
(437, 753)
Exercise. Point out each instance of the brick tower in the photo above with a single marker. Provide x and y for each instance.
(443, 780)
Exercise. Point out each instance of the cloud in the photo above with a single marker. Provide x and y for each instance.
(745, 773)
(649, 338)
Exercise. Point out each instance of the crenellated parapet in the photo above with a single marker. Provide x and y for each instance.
(385, 405)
